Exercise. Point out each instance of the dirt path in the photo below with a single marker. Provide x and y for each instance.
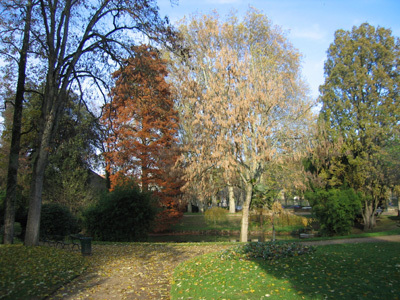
(144, 271)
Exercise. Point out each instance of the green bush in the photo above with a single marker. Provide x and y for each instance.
(125, 214)
(216, 215)
(335, 209)
(266, 250)
(56, 221)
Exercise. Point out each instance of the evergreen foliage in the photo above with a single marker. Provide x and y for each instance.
(57, 221)
(124, 214)
(335, 209)
(360, 113)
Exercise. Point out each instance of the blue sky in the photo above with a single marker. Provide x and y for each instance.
(309, 24)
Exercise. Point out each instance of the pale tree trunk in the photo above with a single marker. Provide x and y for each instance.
(244, 230)
(201, 205)
(368, 215)
(214, 201)
(232, 204)
(13, 164)
(189, 208)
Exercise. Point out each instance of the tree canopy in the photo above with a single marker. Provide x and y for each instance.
(242, 102)
(360, 109)
(74, 46)
(142, 124)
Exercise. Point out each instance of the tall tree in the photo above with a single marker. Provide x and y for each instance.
(143, 125)
(12, 173)
(242, 98)
(72, 157)
(360, 106)
(75, 43)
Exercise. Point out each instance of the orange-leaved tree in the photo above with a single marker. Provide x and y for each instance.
(142, 125)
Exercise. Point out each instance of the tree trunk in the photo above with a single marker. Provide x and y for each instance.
(13, 164)
(369, 216)
(273, 227)
(214, 202)
(262, 237)
(201, 205)
(244, 230)
(189, 208)
(35, 199)
(232, 204)
(398, 205)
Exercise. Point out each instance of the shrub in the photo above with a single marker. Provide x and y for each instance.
(124, 214)
(335, 209)
(57, 220)
(216, 215)
(21, 211)
(266, 250)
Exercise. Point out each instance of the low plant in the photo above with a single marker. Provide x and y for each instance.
(267, 250)
(216, 215)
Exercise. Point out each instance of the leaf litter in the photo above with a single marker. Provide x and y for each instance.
(131, 271)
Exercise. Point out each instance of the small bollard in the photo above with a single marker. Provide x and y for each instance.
(86, 245)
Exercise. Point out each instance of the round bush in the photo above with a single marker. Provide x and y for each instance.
(216, 215)
(57, 221)
(335, 209)
(125, 214)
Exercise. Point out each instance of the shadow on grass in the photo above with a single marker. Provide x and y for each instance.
(346, 271)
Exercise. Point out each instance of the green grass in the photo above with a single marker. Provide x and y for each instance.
(347, 271)
(36, 272)
(196, 222)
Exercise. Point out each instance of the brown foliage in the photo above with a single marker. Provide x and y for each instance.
(244, 106)
(143, 125)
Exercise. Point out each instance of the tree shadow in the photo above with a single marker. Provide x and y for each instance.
(338, 272)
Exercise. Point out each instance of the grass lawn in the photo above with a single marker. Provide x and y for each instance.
(347, 271)
(196, 221)
(36, 272)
